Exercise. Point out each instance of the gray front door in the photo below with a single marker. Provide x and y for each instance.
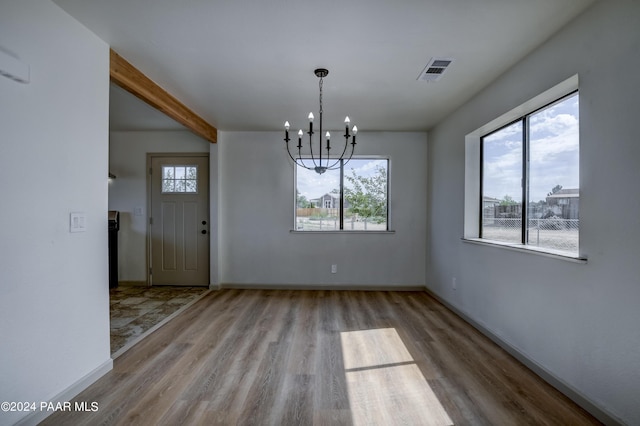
(179, 223)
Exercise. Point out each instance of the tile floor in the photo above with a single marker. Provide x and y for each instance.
(134, 310)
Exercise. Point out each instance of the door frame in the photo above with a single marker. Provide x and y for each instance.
(150, 156)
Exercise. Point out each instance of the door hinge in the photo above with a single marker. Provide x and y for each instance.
(150, 170)
(150, 271)
(150, 221)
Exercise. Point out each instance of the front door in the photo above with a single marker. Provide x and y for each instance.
(179, 222)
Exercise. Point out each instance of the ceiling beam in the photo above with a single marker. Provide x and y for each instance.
(134, 81)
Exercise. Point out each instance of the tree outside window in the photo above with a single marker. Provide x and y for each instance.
(363, 195)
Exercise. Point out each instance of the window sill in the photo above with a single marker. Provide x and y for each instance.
(555, 254)
(294, 231)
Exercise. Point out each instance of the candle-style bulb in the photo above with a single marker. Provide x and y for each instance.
(346, 120)
(286, 125)
(328, 135)
(300, 133)
(355, 129)
(311, 117)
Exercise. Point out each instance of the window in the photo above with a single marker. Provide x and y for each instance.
(180, 179)
(529, 183)
(351, 198)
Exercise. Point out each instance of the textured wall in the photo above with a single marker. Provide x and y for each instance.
(579, 322)
(256, 216)
(54, 303)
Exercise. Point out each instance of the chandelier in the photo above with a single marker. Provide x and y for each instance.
(321, 163)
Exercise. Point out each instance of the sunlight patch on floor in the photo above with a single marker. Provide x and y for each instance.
(385, 385)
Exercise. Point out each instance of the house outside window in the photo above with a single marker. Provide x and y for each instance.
(530, 179)
(359, 186)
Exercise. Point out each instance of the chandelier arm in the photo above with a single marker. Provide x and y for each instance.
(301, 162)
(353, 148)
(304, 166)
(286, 140)
(334, 166)
(298, 163)
(346, 144)
(289, 152)
(310, 132)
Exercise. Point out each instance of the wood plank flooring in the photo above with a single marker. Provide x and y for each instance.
(267, 357)
(134, 310)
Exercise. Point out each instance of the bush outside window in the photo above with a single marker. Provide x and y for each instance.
(350, 198)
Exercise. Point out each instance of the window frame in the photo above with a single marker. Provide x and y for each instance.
(524, 121)
(473, 197)
(522, 184)
(343, 164)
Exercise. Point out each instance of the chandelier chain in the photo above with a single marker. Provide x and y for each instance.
(320, 84)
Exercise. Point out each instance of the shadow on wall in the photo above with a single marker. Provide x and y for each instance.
(131, 248)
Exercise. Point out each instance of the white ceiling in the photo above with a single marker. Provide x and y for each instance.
(248, 64)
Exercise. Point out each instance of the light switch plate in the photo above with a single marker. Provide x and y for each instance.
(77, 222)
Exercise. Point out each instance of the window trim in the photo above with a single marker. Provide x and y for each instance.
(388, 229)
(540, 251)
(473, 169)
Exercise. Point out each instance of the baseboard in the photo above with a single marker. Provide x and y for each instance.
(352, 287)
(572, 393)
(133, 284)
(68, 394)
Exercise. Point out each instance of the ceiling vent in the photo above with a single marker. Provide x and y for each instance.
(434, 69)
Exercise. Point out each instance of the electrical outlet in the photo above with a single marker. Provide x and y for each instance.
(334, 269)
(454, 283)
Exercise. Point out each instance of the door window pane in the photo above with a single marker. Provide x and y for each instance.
(179, 179)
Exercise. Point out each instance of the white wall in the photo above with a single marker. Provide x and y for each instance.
(54, 303)
(577, 322)
(128, 161)
(256, 215)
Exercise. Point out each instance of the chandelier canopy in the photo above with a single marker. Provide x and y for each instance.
(327, 162)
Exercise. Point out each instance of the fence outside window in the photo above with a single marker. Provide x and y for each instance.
(552, 233)
(319, 219)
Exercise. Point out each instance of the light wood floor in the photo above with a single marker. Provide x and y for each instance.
(323, 358)
(134, 310)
